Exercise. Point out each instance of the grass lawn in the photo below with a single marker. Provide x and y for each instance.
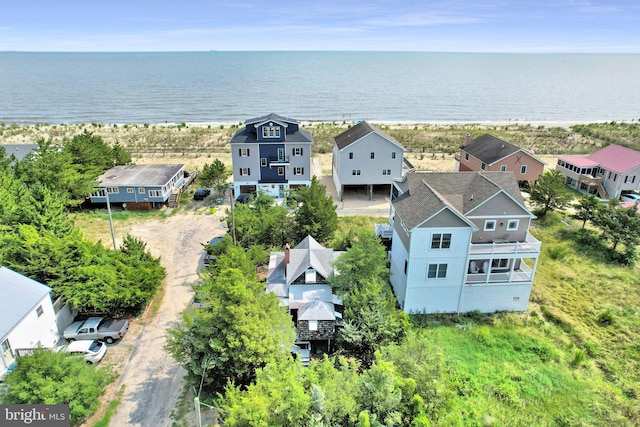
(572, 359)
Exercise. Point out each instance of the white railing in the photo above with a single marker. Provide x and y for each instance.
(384, 231)
(522, 274)
(530, 245)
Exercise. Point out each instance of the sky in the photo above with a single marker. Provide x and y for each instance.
(376, 25)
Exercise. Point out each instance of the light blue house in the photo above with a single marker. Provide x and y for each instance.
(139, 186)
(270, 154)
(461, 243)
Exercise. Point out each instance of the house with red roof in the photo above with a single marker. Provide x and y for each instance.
(607, 173)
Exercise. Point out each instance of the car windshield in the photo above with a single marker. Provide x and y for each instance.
(95, 346)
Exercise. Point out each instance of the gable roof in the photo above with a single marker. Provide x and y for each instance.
(271, 117)
(489, 149)
(317, 310)
(307, 254)
(310, 254)
(245, 136)
(359, 131)
(616, 158)
(426, 194)
(139, 175)
(20, 296)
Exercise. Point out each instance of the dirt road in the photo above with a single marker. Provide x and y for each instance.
(153, 380)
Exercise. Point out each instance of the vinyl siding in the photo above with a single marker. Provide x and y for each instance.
(370, 169)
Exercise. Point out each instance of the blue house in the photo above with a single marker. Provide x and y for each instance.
(272, 154)
(139, 186)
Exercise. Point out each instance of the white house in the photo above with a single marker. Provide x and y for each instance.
(366, 156)
(27, 317)
(461, 243)
(609, 172)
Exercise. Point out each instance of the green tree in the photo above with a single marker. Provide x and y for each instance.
(316, 213)
(587, 209)
(365, 261)
(214, 174)
(239, 329)
(120, 155)
(262, 222)
(53, 378)
(620, 225)
(277, 398)
(550, 193)
(371, 321)
(89, 153)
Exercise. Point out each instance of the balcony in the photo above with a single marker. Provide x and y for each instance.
(278, 161)
(530, 246)
(522, 274)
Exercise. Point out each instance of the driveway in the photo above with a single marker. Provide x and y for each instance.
(153, 380)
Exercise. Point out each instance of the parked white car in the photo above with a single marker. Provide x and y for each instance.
(92, 350)
(630, 197)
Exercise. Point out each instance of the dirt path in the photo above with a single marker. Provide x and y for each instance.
(153, 380)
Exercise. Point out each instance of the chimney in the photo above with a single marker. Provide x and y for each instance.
(467, 140)
(287, 256)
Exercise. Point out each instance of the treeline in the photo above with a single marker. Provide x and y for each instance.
(39, 239)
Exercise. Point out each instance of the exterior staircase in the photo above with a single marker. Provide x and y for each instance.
(174, 198)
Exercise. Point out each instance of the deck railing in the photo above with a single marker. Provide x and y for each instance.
(530, 245)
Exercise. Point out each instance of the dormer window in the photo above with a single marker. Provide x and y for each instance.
(271, 131)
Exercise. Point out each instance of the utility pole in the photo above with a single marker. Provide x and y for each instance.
(233, 218)
(113, 236)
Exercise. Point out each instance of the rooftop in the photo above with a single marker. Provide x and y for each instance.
(20, 296)
(139, 175)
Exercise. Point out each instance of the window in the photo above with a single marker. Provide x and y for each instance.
(154, 193)
(501, 263)
(386, 171)
(244, 152)
(406, 264)
(245, 171)
(350, 156)
(523, 169)
(281, 154)
(271, 131)
(280, 171)
(5, 346)
(141, 190)
(297, 151)
(111, 190)
(298, 171)
(490, 225)
(512, 224)
(466, 156)
(39, 310)
(373, 156)
(129, 190)
(355, 172)
(313, 325)
(263, 161)
(437, 271)
(483, 166)
(503, 168)
(441, 241)
(393, 155)
(99, 193)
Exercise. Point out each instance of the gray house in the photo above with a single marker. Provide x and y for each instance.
(365, 156)
(139, 186)
(298, 277)
(461, 243)
(272, 154)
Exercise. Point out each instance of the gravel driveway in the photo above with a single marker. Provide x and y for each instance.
(153, 380)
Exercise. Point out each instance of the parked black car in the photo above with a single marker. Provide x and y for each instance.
(209, 256)
(243, 198)
(201, 194)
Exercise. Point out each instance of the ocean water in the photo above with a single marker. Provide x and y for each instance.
(230, 87)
